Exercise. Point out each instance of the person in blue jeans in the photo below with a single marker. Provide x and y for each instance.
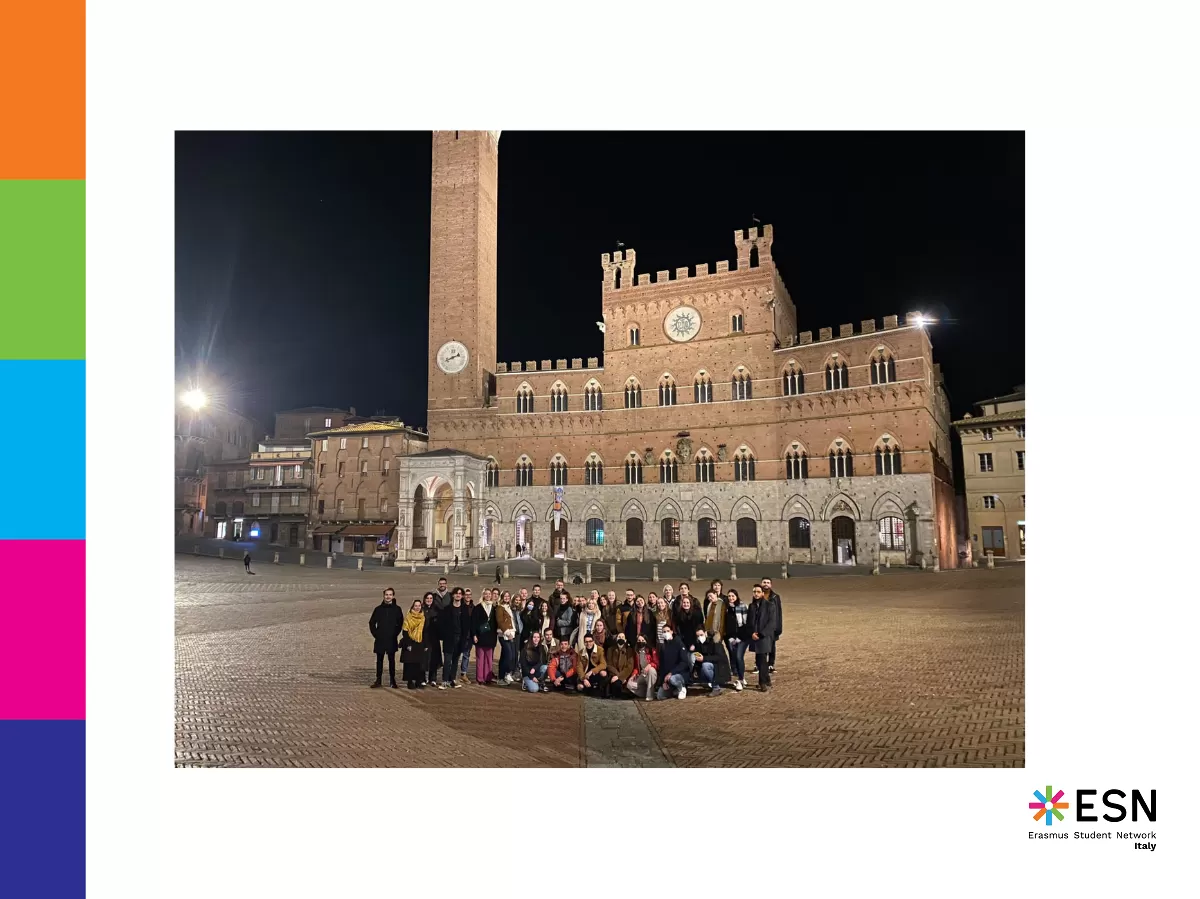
(737, 631)
(675, 665)
(535, 658)
(704, 661)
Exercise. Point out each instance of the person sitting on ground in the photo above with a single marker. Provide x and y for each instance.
(687, 620)
(621, 664)
(593, 666)
(704, 661)
(535, 660)
(640, 622)
(563, 670)
(564, 616)
(675, 665)
(645, 671)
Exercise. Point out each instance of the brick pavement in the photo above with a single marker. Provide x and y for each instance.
(915, 670)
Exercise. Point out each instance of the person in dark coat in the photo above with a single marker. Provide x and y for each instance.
(441, 596)
(385, 625)
(776, 600)
(565, 616)
(466, 625)
(640, 622)
(414, 635)
(704, 660)
(449, 633)
(737, 630)
(764, 622)
(674, 665)
(688, 619)
(430, 639)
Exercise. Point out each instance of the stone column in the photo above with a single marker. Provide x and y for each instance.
(459, 529)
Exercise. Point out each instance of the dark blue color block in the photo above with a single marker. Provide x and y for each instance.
(42, 826)
(42, 453)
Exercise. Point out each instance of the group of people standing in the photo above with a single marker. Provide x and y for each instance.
(647, 646)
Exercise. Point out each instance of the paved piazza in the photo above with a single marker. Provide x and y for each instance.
(901, 670)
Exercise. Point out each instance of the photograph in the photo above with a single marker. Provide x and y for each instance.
(461, 481)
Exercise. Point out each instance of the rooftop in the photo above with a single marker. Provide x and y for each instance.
(446, 452)
(368, 427)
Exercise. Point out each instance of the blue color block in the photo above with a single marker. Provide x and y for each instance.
(42, 449)
(42, 839)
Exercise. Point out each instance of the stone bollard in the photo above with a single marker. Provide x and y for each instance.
(991, 560)
(543, 571)
(412, 568)
(693, 572)
(612, 573)
(505, 572)
(475, 570)
(922, 563)
(588, 573)
(654, 574)
(329, 561)
(360, 561)
(221, 553)
(784, 572)
(937, 565)
(301, 558)
(875, 566)
(196, 549)
(732, 571)
(824, 557)
(887, 563)
(566, 573)
(445, 568)
(276, 560)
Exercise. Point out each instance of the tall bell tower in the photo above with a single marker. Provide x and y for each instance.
(462, 269)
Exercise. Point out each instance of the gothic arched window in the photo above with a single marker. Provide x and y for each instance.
(525, 398)
(793, 380)
(666, 391)
(837, 376)
(743, 465)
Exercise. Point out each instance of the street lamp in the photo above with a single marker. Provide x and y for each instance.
(195, 399)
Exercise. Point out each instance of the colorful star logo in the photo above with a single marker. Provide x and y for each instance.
(1048, 805)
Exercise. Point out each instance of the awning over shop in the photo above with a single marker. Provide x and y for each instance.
(369, 530)
(328, 528)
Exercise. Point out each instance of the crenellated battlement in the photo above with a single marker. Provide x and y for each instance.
(866, 326)
(753, 250)
(577, 364)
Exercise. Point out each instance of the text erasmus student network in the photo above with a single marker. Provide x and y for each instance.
(1049, 807)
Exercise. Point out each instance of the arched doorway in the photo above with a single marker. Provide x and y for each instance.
(420, 512)
(844, 552)
(558, 539)
(443, 516)
(524, 537)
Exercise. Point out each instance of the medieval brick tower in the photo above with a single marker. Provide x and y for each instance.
(462, 269)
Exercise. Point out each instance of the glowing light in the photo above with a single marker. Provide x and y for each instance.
(195, 398)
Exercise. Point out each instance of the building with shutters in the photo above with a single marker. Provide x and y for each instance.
(993, 443)
(712, 429)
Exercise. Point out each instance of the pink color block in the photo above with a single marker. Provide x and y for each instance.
(42, 629)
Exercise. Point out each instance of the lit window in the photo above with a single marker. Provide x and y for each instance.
(985, 461)
(297, 472)
(363, 469)
(366, 443)
(891, 533)
(295, 499)
(329, 422)
(595, 532)
(324, 444)
(987, 433)
(387, 465)
(342, 443)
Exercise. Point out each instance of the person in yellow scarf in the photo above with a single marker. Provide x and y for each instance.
(411, 646)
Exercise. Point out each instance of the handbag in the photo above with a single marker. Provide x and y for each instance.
(414, 654)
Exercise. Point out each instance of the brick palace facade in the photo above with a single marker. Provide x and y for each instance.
(711, 429)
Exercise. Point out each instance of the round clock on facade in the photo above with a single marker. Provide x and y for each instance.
(682, 323)
(452, 357)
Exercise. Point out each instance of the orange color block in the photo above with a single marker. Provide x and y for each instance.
(42, 89)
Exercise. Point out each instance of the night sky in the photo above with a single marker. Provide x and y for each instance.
(302, 260)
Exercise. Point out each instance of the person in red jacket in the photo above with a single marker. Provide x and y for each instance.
(645, 669)
(563, 672)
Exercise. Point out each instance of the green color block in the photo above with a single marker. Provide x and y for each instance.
(42, 269)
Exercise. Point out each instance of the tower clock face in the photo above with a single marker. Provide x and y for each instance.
(452, 357)
(682, 323)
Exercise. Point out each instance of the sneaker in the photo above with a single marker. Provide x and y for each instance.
(441, 686)
(771, 669)
(545, 689)
(661, 694)
(743, 682)
(715, 691)
(737, 686)
(421, 686)
(376, 684)
(682, 693)
(456, 685)
(508, 678)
